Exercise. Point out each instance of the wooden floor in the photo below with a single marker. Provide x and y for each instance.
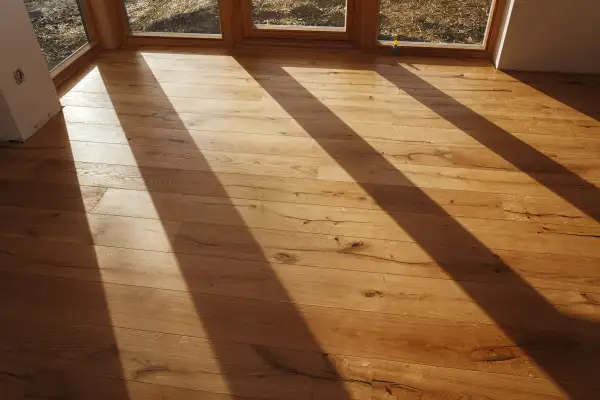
(287, 227)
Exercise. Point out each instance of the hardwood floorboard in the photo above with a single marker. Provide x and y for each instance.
(304, 226)
(248, 89)
(323, 220)
(399, 258)
(223, 226)
(341, 194)
(316, 74)
(437, 147)
(146, 356)
(383, 119)
(350, 105)
(317, 286)
(107, 133)
(379, 172)
(424, 340)
(582, 162)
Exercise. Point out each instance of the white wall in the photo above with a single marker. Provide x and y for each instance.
(550, 35)
(27, 107)
(8, 127)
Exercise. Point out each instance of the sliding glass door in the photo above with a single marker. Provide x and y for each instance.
(59, 27)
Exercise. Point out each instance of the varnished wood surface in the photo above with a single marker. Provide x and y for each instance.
(304, 227)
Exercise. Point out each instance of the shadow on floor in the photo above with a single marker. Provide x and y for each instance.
(250, 338)
(567, 349)
(57, 336)
(547, 172)
(579, 92)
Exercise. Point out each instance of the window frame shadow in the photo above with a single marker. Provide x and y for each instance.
(555, 342)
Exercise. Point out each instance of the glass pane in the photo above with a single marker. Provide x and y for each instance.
(434, 21)
(301, 13)
(174, 16)
(59, 28)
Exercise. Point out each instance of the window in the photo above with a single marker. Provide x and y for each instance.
(174, 16)
(299, 13)
(59, 28)
(435, 21)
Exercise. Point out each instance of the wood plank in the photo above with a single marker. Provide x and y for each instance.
(344, 61)
(405, 111)
(242, 66)
(305, 57)
(583, 162)
(185, 364)
(360, 224)
(461, 345)
(343, 194)
(347, 252)
(373, 172)
(405, 258)
(178, 158)
(321, 286)
(96, 93)
(245, 124)
(286, 126)
(454, 68)
(395, 137)
(550, 110)
(468, 179)
(71, 197)
(118, 82)
(516, 207)
(333, 221)
(303, 145)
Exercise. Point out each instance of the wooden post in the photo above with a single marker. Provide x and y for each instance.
(110, 22)
(232, 24)
(498, 9)
(366, 24)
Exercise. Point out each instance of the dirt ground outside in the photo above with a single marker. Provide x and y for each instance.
(58, 27)
(60, 30)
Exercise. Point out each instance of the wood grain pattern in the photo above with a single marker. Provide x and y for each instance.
(303, 226)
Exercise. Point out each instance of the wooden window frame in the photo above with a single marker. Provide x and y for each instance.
(369, 41)
(74, 63)
(88, 51)
(136, 39)
(237, 30)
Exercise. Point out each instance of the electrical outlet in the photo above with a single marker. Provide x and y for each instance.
(19, 76)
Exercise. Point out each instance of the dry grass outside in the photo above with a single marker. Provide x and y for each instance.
(434, 21)
(58, 27)
(181, 16)
(331, 13)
